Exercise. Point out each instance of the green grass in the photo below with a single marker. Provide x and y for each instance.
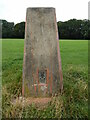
(71, 104)
(76, 52)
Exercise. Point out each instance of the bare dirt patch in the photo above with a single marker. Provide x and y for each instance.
(38, 102)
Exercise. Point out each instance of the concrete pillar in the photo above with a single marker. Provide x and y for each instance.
(42, 74)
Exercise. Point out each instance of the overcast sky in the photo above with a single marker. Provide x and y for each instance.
(15, 10)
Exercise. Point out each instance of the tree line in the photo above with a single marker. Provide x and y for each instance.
(9, 30)
(74, 29)
(71, 29)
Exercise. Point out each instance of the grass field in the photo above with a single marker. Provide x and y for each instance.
(74, 100)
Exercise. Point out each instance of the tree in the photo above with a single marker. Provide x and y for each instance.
(19, 30)
(7, 29)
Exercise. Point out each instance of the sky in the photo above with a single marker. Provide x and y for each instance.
(15, 10)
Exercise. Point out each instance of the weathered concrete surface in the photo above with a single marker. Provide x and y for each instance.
(42, 75)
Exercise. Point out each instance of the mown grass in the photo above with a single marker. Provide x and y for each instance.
(73, 103)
